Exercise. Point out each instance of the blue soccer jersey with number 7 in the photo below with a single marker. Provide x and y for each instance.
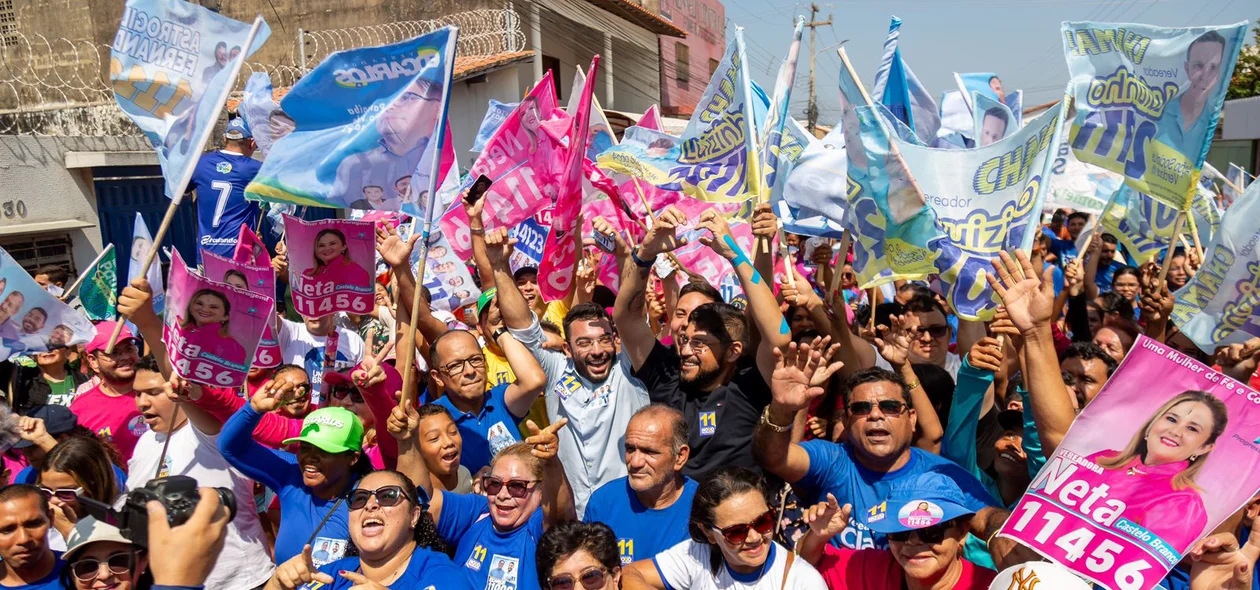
(220, 180)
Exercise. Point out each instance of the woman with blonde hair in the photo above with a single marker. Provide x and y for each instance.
(1156, 471)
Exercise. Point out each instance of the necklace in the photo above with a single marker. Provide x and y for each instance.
(1135, 471)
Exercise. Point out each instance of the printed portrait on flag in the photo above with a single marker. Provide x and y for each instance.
(258, 279)
(32, 319)
(212, 328)
(330, 265)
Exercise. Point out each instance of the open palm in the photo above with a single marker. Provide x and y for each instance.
(1027, 295)
(801, 372)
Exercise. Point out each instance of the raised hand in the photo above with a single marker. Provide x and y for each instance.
(395, 251)
(1027, 295)
(765, 224)
(663, 237)
(499, 246)
(894, 343)
(369, 373)
(272, 396)
(986, 354)
(545, 442)
(403, 421)
(1219, 563)
(1239, 361)
(827, 519)
(136, 302)
(473, 210)
(1074, 277)
(601, 226)
(801, 373)
(179, 390)
(31, 429)
(800, 295)
(1193, 261)
(299, 570)
(721, 242)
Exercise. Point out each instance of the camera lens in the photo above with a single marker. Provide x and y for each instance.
(228, 500)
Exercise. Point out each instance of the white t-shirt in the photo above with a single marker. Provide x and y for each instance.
(299, 347)
(685, 566)
(244, 563)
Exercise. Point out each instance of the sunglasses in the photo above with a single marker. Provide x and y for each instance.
(592, 578)
(931, 535)
(89, 568)
(63, 494)
(736, 534)
(386, 496)
(933, 331)
(887, 407)
(517, 488)
(341, 391)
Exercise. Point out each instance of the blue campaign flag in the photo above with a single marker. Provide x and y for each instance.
(897, 88)
(266, 121)
(993, 120)
(986, 83)
(496, 114)
(777, 146)
(1217, 307)
(172, 64)
(369, 128)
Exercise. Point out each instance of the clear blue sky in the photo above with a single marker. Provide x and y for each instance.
(1017, 39)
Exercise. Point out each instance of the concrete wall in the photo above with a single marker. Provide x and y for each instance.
(468, 106)
(33, 170)
(705, 23)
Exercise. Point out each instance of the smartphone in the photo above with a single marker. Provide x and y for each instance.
(478, 189)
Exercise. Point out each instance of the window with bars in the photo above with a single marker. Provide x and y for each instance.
(8, 24)
(33, 252)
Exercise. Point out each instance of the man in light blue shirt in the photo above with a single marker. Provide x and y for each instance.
(1184, 126)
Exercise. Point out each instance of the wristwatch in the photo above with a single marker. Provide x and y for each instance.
(499, 332)
(765, 419)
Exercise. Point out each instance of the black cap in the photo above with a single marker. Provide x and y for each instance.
(57, 420)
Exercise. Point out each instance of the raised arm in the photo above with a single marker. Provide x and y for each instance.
(236, 440)
(557, 505)
(895, 348)
(825, 520)
(1091, 265)
(803, 296)
(404, 425)
(530, 378)
(136, 304)
(767, 318)
(1030, 301)
(799, 377)
(629, 311)
(512, 305)
(397, 254)
(765, 226)
(477, 233)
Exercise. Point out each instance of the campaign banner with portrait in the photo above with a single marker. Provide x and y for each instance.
(212, 328)
(32, 319)
(368, 127)
(266, 121)
(1149, 467)
(446, 275)
(1143, 225)
(98, 294)
(330, 265)
(703, 261)
(258, 279)
(1078, 186)
(1148, 100)
(171, 66)
(524, 163)
(993, 120)
(530, 235)
(1218, 306)
(141, 244)
(496, 113)
(716, 158)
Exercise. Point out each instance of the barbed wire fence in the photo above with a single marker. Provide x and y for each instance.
(60, 86)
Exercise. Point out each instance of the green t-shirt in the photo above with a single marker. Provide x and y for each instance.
(61, 392)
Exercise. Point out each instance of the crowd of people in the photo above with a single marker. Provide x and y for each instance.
(655, 437)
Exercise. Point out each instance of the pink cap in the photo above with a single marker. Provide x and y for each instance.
(103, 331)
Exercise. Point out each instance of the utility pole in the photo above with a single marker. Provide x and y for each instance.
(811, 112)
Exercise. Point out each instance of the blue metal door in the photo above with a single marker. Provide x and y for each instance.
(121, 192)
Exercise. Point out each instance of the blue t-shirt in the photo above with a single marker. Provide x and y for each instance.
(427, 570)
(833, 468)
(29, 475)
(641, 531)
(220, 180)
(1105, 274)
(486, 432)
(1065, 250)
(50, 582)
(492, 560)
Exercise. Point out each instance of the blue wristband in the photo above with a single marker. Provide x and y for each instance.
(639, 261)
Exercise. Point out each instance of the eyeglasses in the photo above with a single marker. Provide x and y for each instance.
(63, 494)
(887, 407)
(122, 347)
(517, 488)
(933, 331)
(89, 568)
(592, 578)
(454, 368)
(931, 535)
(605, 341)
(736, 534)
(386, 496)
(341, 391)
(697, 346)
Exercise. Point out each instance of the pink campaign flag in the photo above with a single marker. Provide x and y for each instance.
(212, 328)
(555, 273)
(1157, 461)
(330, 265)
(258, 279)
(251, 250)
(525, 163)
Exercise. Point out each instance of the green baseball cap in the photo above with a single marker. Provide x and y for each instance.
(486, 297)
(332, 430)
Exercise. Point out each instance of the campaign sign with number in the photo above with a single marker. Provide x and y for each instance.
(1163, 455)
(212, 328)
(330, 265)
(259, 279)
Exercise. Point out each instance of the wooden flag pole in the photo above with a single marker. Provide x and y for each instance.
(1163, 271)
(407, 354)
(65, 296)
(148, 262)
(846, 241)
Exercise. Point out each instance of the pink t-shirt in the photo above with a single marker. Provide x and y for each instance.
(211, 343)
(14, 462)
(341, 272)
(877, 569)
(113, 419)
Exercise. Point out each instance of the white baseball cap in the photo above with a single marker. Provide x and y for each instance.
(1037, 574)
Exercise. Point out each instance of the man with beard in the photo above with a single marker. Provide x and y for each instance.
(590, 383)
(109, 409)
(487, 418)
(719, 389)
(649, 508)
(26, 561)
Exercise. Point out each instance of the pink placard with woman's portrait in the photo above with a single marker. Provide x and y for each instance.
(1165, 453)
(212, 328)
(330, 265)
(258, 279)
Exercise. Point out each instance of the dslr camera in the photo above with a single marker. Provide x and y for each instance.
(177, 493)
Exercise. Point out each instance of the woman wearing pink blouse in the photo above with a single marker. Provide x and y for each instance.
(1155, 473)
(205, 325)
(333, 263)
